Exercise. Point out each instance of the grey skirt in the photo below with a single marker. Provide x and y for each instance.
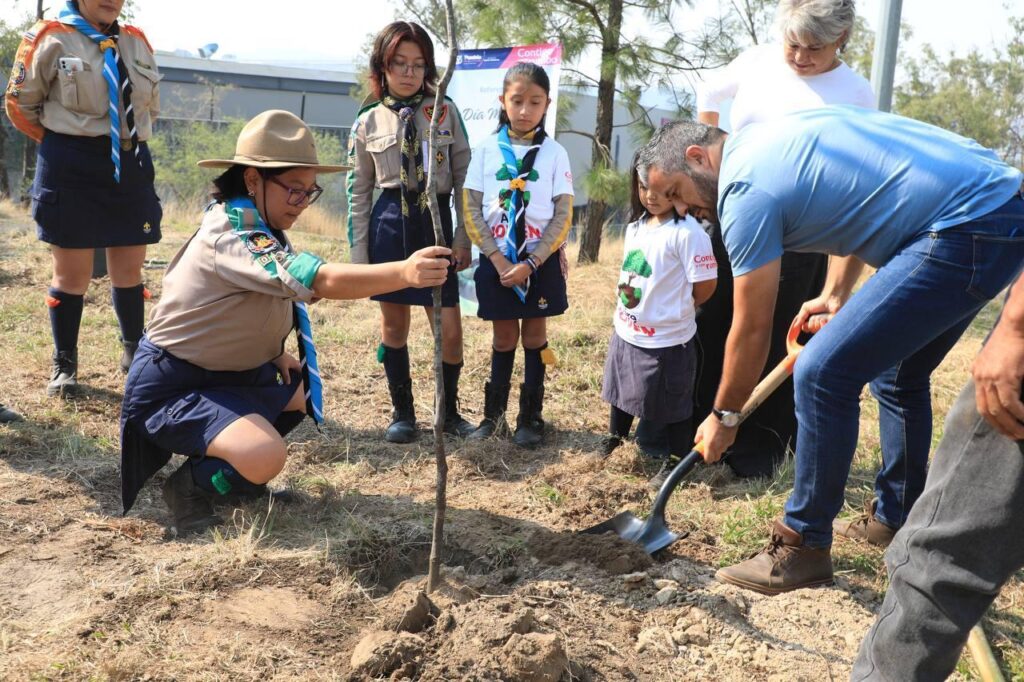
(650, 383)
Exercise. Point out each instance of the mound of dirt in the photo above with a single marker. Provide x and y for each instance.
(608, 551)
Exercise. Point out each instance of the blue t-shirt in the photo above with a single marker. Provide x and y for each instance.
(845, 180)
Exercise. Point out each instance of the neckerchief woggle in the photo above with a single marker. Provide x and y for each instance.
(516, 204)
(116, 75)
(303, 330)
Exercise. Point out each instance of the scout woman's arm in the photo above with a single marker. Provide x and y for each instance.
(359, 191)
(35, 65)
(426, 268)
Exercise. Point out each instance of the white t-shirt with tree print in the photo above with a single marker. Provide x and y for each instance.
(661, 262)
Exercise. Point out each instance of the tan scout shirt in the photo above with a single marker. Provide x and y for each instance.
(57, 83)
(222, 308)
(375, 154)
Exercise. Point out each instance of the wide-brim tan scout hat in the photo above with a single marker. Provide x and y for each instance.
(275, 139)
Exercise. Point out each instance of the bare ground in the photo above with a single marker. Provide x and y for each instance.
(331, 587)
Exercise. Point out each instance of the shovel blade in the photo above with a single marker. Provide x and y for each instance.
(656, 537)
(626, 525)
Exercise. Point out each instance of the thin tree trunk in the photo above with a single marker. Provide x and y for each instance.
(5, 178)
(441, 486)
(590, 239)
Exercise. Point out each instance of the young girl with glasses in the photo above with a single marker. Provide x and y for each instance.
(388, 152)
(518, 208)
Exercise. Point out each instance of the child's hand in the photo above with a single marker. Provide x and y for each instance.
(516, 275)
(501, 264)
(463, 259)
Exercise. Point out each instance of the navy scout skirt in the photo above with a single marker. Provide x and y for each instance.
(655, 384)
(172, 406)
(76, 203)
(546, 297)
(390, 242)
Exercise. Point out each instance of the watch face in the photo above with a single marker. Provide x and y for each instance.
(731, 419)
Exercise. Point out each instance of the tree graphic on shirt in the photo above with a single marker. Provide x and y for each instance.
(637, 266)
(505, 195)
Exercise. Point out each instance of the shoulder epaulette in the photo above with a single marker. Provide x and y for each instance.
(367, 106)
(40, 28)
(137, 32)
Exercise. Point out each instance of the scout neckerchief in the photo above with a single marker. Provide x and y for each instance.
(116, 75)
(516, 198)
(411, 150)
(245, 218)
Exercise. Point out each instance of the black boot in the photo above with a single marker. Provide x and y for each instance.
(191, 507)
(8, 416)
(128, 355)
(454, 424)
(258, 492)
(403, 418)
(495, 405)
(529, 423)
(64, 374)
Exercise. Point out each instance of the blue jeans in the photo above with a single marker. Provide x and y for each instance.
(892, 333)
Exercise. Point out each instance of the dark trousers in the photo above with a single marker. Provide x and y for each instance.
(763, 439)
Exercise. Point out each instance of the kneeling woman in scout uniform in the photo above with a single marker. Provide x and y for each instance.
(85, 88)
(387, 151)
(211, 379)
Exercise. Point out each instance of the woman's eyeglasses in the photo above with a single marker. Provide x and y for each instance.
(296, 197)
(404, 69)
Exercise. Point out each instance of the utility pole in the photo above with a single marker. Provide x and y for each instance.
(887, 39)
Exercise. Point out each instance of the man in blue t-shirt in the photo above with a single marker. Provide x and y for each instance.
(941, 218)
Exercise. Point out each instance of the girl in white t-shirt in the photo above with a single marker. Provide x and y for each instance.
(668, 269)
(518, 209)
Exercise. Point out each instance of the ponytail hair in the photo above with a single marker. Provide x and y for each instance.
(636, 207)
(532, 73)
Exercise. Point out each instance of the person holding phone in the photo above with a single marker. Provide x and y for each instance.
(86, 88)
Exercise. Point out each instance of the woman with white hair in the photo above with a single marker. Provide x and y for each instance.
(767, 82)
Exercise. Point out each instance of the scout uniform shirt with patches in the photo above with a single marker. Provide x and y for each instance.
(57, 83)
(551, 177)
(375, 154)
(226, 302)
(655, 293)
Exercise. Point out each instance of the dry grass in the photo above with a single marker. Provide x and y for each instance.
(92, 595)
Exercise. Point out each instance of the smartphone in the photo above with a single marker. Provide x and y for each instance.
(71, 65)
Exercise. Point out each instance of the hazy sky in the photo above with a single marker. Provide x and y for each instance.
(331, 31)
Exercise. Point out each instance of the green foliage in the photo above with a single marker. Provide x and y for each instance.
(608, 185)
(978, 95)
(178, 146)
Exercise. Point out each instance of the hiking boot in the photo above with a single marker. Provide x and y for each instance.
(529, 423)
(495, 405)
(191, 507)
(403, 417)
(8, 416)
(130, 347)
(64, 374)
(454, 424)
(865, 527)
(784, 565)
(609, 445)
(259, 492)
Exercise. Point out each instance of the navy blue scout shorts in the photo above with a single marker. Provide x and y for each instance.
(546, 297)
(390, 242)
(180, 407)
(76, 203)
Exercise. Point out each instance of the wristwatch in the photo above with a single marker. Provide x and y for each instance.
(728, 418)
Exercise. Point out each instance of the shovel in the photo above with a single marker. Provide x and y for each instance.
(654, 534)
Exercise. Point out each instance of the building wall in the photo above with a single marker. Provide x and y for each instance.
(202, 89)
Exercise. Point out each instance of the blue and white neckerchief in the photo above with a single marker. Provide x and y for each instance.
(517, 197)
(303, 329)
(119, 85)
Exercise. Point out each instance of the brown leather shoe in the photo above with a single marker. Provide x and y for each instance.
(865, 527)
(784, 565)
